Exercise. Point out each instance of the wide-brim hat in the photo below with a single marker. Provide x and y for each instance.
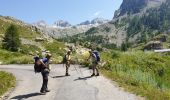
(48, 55)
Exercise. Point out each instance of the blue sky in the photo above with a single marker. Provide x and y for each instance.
(73, 11)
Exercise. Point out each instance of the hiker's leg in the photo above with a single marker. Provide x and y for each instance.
(97, 70)
(93, 68)
(44, 83)
(67, 67)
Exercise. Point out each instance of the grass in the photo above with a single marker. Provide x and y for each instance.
(144, 73)
(14, 58)
(56, 49)
(23, 57)
(7, 81)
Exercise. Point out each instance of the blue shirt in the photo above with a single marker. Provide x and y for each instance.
(45, 60)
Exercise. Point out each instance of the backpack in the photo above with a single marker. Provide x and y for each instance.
(37, 65)
(64, 59)
(97, 55)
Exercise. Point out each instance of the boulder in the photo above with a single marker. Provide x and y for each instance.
(152, 45)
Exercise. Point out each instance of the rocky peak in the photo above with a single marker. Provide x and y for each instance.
(85, 23)
(40, 23)
(136, 6)
(99, 21)
(130, 7)
(61, 23)
(96, 21)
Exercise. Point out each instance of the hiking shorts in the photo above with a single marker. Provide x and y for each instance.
(94, 64)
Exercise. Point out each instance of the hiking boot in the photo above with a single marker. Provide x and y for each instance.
(67, 74)
(47, 90)
(97, 74)
(92, 75)
(43, 92)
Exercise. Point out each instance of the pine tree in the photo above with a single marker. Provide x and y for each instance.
(11, 39)
(124, 47)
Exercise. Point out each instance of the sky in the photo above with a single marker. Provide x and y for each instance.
(73, 11)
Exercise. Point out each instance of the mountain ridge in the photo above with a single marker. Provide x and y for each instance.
(62, 28)
(140, 26)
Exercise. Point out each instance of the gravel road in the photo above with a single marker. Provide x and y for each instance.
(78, 86)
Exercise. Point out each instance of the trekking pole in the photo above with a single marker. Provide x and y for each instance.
(75, 68)
(80, 71)
(79, 67)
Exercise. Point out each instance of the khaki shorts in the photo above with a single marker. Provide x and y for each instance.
(94, 64)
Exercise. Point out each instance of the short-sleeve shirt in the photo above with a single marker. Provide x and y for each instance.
(45, 60)
(68, 57)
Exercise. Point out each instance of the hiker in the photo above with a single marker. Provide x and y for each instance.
(67, 62)
(45, 73)
(94, 56)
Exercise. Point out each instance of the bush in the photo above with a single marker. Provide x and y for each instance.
(7, 81)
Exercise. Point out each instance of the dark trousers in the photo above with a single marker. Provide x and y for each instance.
(45, 74)
(67, 66)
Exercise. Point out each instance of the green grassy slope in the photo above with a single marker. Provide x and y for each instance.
(28, 35)
(144, 73)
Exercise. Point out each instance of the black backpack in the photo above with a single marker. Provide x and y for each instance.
(37, 66)
(64, 59)
(97, 55)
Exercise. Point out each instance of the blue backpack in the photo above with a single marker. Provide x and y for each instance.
(97, 55)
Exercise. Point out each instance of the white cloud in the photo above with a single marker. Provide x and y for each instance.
(97, 13)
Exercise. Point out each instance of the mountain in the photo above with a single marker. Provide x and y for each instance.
(96, 21)
(41, 23)
(32, 40)
(29, 34)
(135, 22)
(130, 7)
(85, 23)
(62, 28)
(61, 23)
(99, 21)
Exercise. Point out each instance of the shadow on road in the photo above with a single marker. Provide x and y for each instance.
(82, 78)
(61, 76)
(21, 97)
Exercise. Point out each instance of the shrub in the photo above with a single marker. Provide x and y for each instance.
(7, 81)
(11, 40)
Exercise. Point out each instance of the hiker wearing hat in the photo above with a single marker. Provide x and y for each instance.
(94, 56)
(45, 73)
(68, 61)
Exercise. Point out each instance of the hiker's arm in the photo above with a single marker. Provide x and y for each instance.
(88, 58)
(43, 63)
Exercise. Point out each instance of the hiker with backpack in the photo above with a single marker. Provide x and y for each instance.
(67, 61)
(95, 59)
(41, 65)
